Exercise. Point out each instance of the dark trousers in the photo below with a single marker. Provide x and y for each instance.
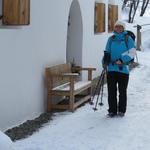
(117, 81)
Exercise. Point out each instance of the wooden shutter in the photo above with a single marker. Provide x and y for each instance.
(112, 16)
(16, 12)
(99, 23)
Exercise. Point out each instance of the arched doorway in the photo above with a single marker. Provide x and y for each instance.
(74, 35)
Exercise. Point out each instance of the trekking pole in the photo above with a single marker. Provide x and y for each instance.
(96, 88)
(102, 91)
(99, 92)
(137, 58)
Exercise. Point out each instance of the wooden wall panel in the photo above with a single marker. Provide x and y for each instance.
(112, 16)
(99, 25)
(16, 12)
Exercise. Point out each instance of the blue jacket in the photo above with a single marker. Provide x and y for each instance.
(120, 49)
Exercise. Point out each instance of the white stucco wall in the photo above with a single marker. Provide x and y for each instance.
(93, 44)
(26, 51)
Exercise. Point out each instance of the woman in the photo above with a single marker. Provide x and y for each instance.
(119, 51)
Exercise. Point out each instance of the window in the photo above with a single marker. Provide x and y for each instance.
(99, 20)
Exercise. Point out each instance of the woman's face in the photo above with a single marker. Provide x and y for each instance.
(119, 28)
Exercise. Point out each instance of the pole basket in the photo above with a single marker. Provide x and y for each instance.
(101, 104)
(91, 103)
(95, 109)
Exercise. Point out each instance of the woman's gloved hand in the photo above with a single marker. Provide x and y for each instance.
(119, 63)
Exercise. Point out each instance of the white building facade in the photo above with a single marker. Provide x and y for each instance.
(60, 31)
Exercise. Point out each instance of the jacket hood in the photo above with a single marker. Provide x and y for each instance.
(120, 35)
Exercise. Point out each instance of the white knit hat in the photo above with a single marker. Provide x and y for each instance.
(120, 23)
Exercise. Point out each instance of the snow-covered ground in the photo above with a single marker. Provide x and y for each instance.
(5, 142)
(86, 129)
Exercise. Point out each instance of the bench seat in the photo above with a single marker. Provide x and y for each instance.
(77, 86)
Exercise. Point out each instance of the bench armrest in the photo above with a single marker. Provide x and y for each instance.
(79, 68)
(71, 74)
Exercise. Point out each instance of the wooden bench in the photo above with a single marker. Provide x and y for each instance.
(63, 81)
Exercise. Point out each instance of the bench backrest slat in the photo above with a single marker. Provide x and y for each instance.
(57, 70)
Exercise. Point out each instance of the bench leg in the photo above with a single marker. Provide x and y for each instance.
(72, 97)
(49, 102)
(71, 102)
(90, 92)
